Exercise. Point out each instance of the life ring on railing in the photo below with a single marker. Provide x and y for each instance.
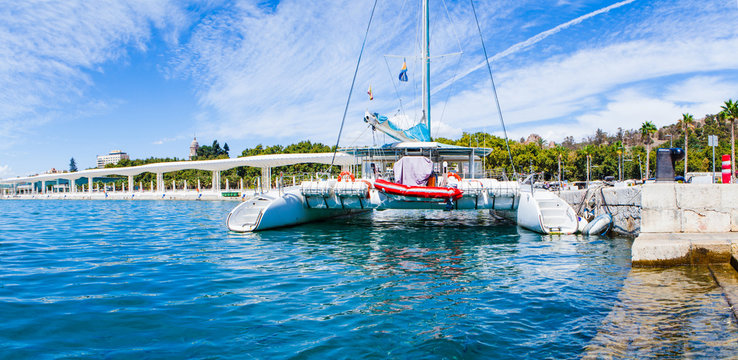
(346, 174)
(454, 175)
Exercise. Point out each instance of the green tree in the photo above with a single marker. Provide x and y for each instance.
(214, 151)
(72, 165)
(647, 130)
(687, 124)
(730, 113)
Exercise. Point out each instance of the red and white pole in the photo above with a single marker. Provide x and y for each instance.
(726, 169)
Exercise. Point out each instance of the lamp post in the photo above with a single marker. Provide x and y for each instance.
(671, 140)
(588, 171)
(620, 162)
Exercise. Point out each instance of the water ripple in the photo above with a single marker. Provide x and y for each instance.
(123, 279)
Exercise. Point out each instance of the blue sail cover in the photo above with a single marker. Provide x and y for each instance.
(418, 132)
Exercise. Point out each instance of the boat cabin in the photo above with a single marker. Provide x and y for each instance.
(379, 162)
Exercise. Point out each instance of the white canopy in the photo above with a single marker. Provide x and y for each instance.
(261, 161)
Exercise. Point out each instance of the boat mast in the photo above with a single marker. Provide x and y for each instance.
(426, 61)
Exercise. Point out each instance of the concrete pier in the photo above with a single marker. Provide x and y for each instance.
(686, 224)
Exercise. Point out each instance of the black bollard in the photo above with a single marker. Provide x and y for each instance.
(665, 159)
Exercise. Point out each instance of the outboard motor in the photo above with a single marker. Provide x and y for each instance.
(665, 159)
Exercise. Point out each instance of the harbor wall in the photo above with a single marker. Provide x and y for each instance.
(623, 203)
(687, 224)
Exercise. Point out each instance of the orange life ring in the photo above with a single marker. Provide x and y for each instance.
(455, 175)
(346, 173)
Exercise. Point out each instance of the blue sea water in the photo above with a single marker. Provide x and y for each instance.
(165, 279)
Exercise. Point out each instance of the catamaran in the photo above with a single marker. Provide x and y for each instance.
(413, 172)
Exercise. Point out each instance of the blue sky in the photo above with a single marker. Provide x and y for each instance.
(80, 78)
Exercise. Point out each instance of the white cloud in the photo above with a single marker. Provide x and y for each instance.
(4, 171)
(49, 49)
(168, 140)
(278, 75)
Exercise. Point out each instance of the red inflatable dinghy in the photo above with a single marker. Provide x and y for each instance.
(427, 192)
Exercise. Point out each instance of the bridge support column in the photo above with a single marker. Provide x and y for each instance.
(266, 178)
(216, 180)
(89, 185)
(159, 182)
(130, 183)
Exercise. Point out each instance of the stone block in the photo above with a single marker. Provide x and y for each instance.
(729, 195)
(698, 196)
(626, 196)
(660, 221)
(705, 221)
(651, 249)
(659, 196)
(733, 219)
(710, 248)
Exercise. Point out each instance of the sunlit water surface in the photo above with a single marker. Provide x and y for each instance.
(148, 279)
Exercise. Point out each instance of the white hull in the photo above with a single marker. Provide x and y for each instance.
(541, 211)
(274, 210)
(544, 212)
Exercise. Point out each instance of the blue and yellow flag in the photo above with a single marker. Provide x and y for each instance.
(403, 71)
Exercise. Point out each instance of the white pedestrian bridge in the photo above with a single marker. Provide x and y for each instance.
(19, 185)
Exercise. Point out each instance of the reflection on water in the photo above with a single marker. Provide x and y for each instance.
(673, 312)
(127, 279)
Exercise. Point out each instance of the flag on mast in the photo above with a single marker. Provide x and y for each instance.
(403, 71)
(371, 95)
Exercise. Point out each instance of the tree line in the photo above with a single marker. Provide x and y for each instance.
(630, 152)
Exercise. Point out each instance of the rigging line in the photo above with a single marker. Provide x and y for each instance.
(453, 26)
(353, 82)
(450, 88)
(458, 63)
(397, 92)
(360, 135)
(494, 89)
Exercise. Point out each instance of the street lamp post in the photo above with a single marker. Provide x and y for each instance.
(588, 162)
(671, 140)
(620, 164)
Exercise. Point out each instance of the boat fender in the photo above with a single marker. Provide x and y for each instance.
(599, 225)
(345, 175)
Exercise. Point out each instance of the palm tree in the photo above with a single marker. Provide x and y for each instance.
(730, 113)
(687, 123)
(647, 130)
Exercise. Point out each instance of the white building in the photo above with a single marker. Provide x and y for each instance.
(112, 158)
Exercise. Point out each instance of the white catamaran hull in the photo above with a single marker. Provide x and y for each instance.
(274, 210)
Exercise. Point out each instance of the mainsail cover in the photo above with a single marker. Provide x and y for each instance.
(418, 132)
